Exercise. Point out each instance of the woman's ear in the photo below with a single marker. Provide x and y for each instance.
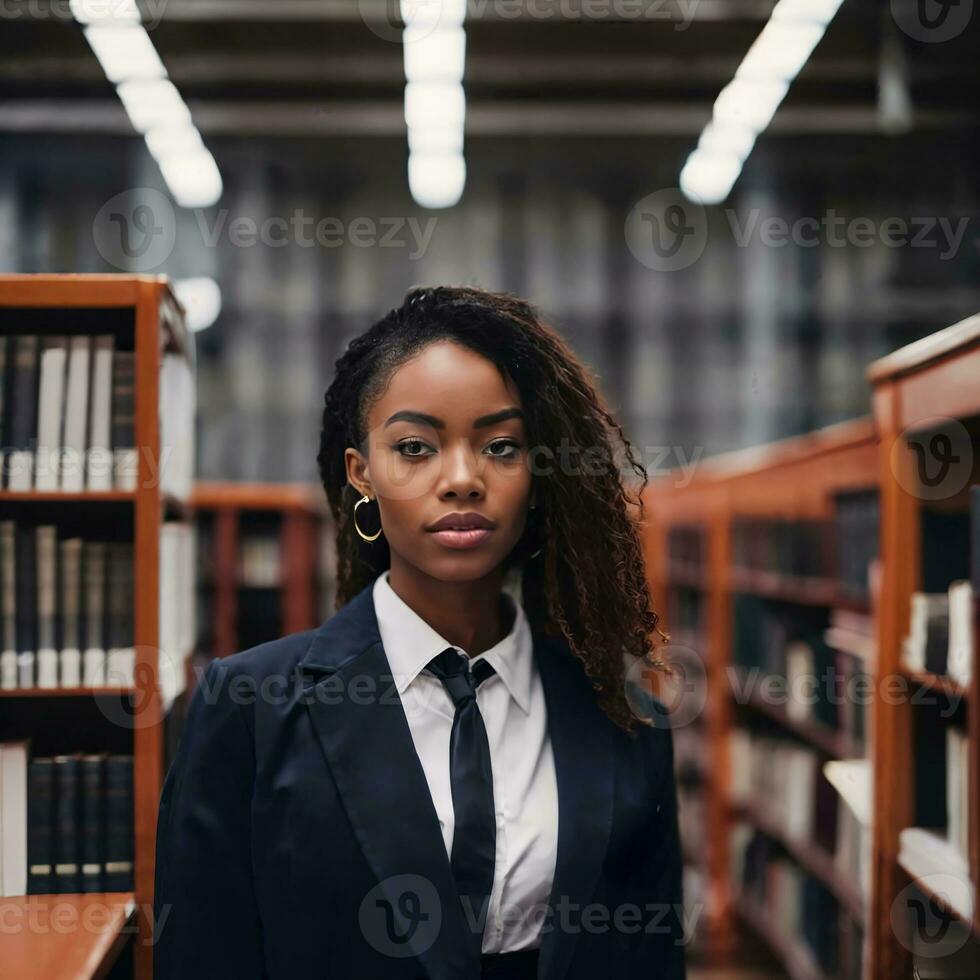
(358, 472)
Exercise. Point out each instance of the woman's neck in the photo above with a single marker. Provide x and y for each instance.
(470, 615)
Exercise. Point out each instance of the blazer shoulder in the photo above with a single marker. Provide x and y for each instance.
(274, 657)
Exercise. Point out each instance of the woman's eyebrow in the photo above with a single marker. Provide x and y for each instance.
(408, 415)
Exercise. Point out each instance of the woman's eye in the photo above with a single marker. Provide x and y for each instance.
(402, 447)
(504, 449)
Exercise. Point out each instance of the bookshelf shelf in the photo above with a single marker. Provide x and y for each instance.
(143, 325)
(828, 741)
(808, 855)
(50, 951)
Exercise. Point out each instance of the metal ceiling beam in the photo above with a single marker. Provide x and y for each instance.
(483, 119)
(499, 70)
(385, 11)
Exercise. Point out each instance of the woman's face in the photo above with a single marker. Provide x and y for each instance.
(446, 437)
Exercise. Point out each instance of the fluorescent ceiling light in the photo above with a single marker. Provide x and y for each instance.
(816, 11)
(780, 51)
(192, 178)
(434, 103)
(708, 177)
(164, 141)
(435, 55)
(429, 14)
(749, 102)
(444, 139)
(436, 180)
(734, 140)
(201, 299)
(125, 51)
(153, 103)
(104, 11)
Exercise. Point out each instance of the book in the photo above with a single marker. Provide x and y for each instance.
(120, 649)
(25, 579)
(67, 811)
(22, 431)
(118, 873)
(76, 413)
(50, 413)
(13, 825)
(961, 653)
(98, 458)
(94, 656)
(47, 649)
(40, 826)
(93, 817)
(8, 607)
(927, 644)
(123, 421)
(70, 654)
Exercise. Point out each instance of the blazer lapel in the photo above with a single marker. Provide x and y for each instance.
(364, 734)
(582, 749)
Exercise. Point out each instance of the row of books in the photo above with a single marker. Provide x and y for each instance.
(786, 647)
(783, 780)
(941, 637)
(794, 547)
(67, 607)
(793, 904)
(66, 822)
(857, 519)
(68, 413)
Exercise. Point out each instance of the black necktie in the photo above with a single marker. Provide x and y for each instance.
(475, 826)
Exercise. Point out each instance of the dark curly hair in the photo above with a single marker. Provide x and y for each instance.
(583, 574)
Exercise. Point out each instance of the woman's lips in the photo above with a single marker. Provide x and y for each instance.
(462, 540)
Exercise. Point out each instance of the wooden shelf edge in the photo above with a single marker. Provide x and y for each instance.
(62, 692)
(811, 857)
(828, 741)
(796, 960)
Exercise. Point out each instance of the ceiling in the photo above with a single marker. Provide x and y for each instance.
(541, 67)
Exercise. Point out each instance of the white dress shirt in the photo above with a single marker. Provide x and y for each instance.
(525, 790)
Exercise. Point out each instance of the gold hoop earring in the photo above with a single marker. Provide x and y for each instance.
(365, 499)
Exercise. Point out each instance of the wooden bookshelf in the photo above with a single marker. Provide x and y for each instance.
(297, 515)
(51, 950)
(914, 388)
(143, 314)
(913, 391)
(792, 479)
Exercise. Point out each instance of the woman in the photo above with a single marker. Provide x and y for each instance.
(453, 776)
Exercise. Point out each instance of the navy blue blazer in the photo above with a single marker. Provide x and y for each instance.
(297, 839)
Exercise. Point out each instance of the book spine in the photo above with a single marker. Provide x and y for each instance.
(119, 823)
(40, 826)
(93, 837)
(67, 849)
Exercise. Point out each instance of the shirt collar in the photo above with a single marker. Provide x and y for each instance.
(410, 643)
